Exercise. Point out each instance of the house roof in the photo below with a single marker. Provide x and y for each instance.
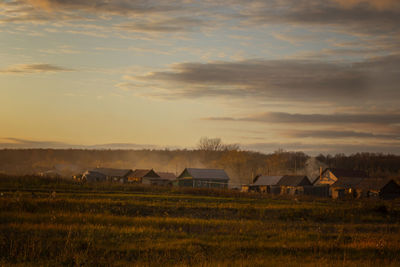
(142, 173)
(294, 180)
(112, 172)
(347, 173)
(217, 174)
(266, 180)
(347, 182)
(373, 184)
(93, 174)
(167, 175)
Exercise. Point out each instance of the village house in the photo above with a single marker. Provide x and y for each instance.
(293, 184)
(265, 184)
(338, 180)
(345, 187)
(143, 176)
(92, 176)
(378, 188)
(164, 178)
(107, 174)
(365, 187)
(330, 175)
(208, 178)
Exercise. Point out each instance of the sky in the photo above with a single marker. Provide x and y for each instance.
(306, 75)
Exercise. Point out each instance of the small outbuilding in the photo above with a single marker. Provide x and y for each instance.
(203, 178)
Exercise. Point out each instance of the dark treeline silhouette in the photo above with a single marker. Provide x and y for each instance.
(241, 166)
(375, 164)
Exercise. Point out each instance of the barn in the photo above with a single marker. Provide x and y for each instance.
(203, 178)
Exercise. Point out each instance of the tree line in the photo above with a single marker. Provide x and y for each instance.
(240, 165)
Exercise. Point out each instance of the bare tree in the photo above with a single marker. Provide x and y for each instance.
(215, 144)
(210, 144)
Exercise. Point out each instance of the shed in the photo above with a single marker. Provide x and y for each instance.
(208, 178)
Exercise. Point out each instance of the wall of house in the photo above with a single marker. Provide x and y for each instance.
(327, 178)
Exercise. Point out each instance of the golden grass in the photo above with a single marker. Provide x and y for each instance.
(89, 228)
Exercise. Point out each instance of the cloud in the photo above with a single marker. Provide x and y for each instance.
(180, 24)
(22, 143)
(324, 119)
(292, 80)
(118, 7)
(17, 143)
(356, 16)
(379, 17)
(335, 134)
(326, 147)
(378, 4)
(33, 68)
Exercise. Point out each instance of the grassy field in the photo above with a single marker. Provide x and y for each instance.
(119, 225)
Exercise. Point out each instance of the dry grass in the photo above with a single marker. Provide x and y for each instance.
(93, 225)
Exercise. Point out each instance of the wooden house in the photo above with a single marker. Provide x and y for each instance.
(265, 184)
(345, 187)
(377, 188)
(164, 178)
(142, 175)
(92, 176)
(293, 184)
(330, 175)
(107, 174)
(205, 178)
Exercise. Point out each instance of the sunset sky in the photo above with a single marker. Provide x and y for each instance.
(305, 75)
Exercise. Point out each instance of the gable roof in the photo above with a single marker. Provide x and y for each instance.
(294, 180)
(144, 172)
(346, 173)
(93, 174)
(373, 184)
(347, 182)
(266, 180)
(110, 172)
(167, 175)
(216, 174)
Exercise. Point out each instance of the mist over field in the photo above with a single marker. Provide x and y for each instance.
(241, 166)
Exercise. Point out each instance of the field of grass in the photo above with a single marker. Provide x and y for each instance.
(119, 225)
